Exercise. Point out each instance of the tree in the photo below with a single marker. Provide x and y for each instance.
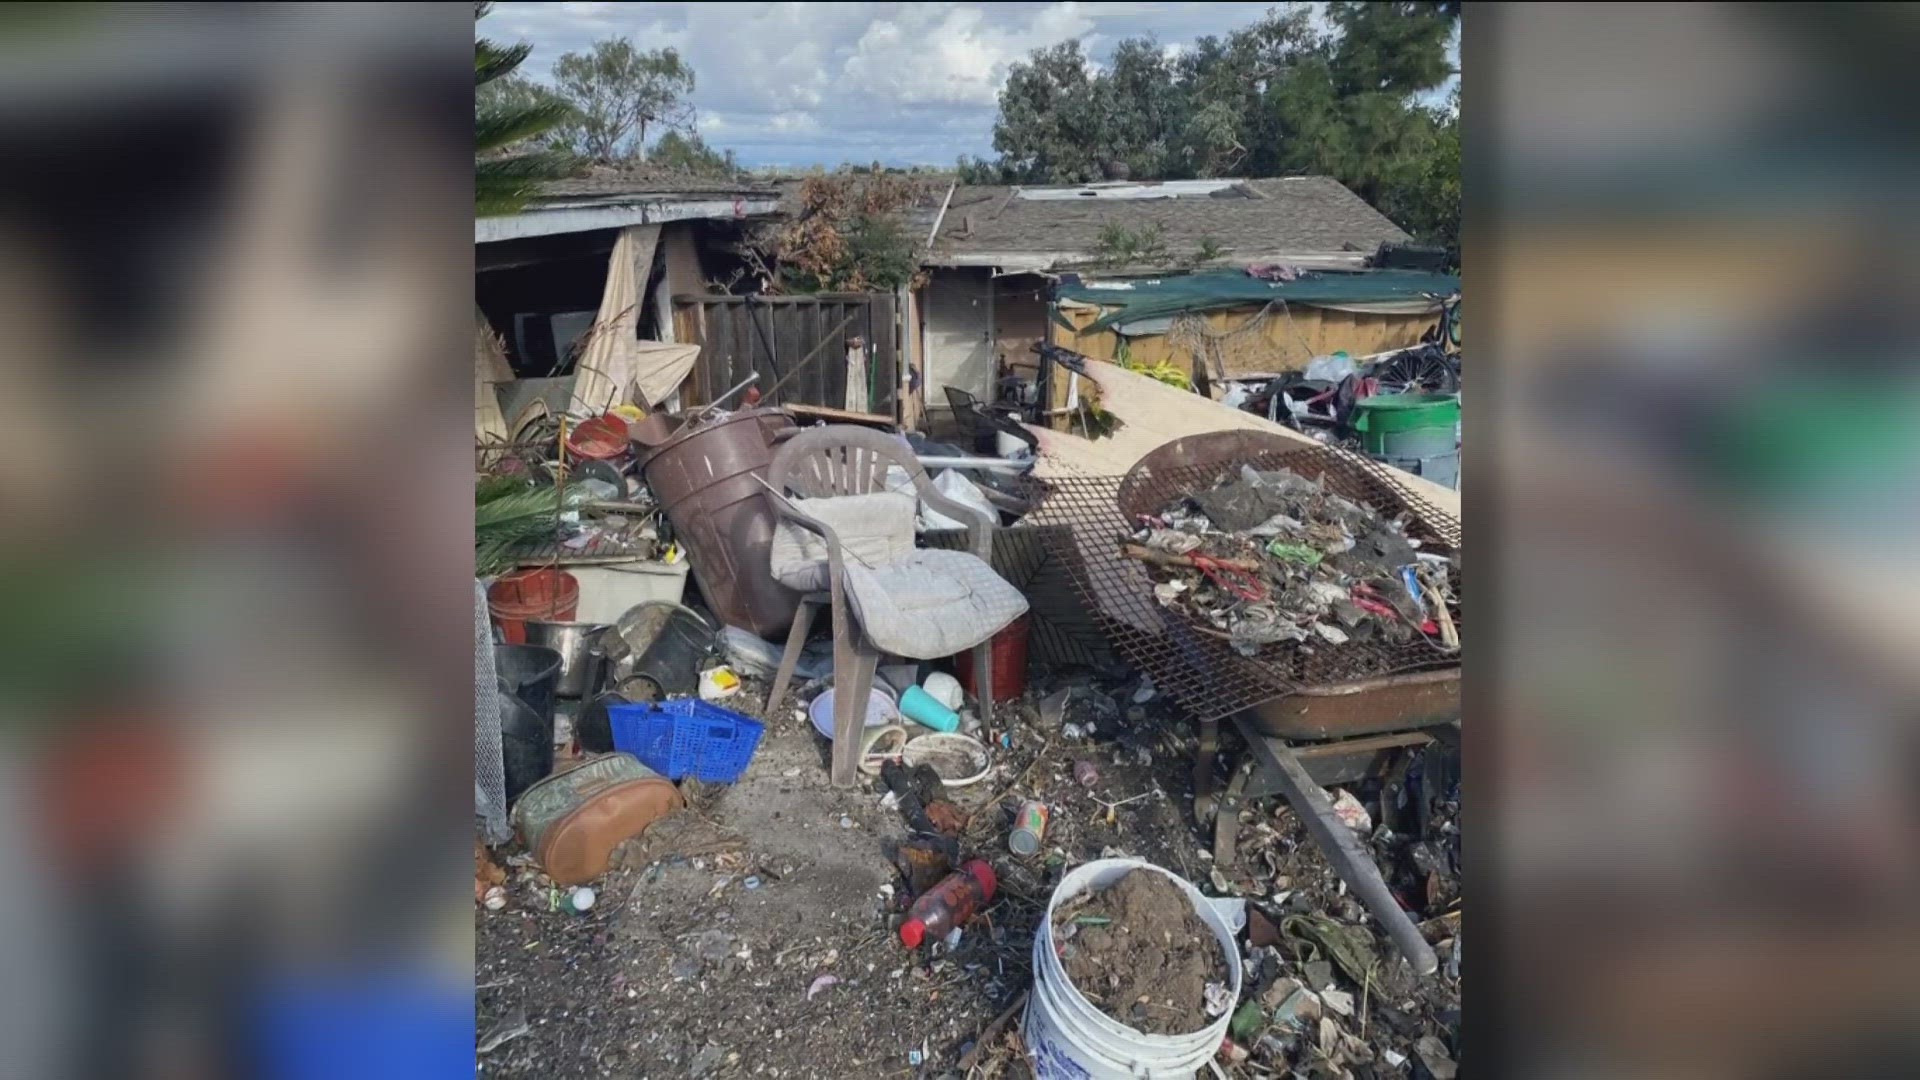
(1426, 202)
(845, 235)
(1225, 83)
(506, 119)
(690, 153)
(1051, 125)
(1142, 110)
(619, 92)
(978, 170)
(1274, 98)
(1347, 109)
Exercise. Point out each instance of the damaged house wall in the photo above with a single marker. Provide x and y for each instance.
(1019, 322)
(546, 269)
(1286, 340)
(520, 285)
(1148, 232)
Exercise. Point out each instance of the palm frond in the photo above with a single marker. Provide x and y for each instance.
(508, 515)
(498, 127)
(504, 185)
(491, 61)
(533, 165)
(501, 198)
(530, 502)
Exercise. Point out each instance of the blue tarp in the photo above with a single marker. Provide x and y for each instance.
(1152, 298)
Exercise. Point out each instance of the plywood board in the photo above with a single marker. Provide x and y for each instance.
(1154, 414)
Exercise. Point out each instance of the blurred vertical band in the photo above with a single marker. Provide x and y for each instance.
(234, 250)
(1693, 228)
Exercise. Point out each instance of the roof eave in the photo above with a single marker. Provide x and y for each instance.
(554, 217)
(1086, 262)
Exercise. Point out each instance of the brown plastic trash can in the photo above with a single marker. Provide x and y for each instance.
(705, 481)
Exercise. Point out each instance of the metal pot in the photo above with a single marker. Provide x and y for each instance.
(573, 641)
(667, 644)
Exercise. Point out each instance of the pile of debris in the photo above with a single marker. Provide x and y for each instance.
(1273, 558)
(1324, 995)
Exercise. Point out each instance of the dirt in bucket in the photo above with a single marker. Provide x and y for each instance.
(1140, 952)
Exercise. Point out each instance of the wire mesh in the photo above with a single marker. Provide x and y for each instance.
(489, 766)
(1192, 662)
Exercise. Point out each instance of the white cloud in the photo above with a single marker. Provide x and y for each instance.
(939, 54)
(795, 83)
(793, 123)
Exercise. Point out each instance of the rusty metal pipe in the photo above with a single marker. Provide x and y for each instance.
(1343, 849)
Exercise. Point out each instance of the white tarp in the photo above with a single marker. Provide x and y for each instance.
(659, 368)
(609, 364)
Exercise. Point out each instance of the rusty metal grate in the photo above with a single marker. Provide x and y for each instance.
(1202, 672)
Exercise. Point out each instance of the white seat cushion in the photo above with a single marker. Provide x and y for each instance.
(874, 530)
(932, 603)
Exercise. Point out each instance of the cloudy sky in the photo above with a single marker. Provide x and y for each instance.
(798, 84)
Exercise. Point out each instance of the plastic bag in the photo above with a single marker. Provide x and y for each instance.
(1333, 369)
(961, 490)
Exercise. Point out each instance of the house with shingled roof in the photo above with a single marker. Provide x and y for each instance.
(998, 256)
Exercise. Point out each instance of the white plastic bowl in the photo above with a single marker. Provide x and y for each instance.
(882, 709)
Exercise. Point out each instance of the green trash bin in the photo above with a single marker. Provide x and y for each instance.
(1408, 425)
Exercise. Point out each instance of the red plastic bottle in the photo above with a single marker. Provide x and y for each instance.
(949, 904)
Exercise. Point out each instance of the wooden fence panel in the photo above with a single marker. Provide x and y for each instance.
(739, 335)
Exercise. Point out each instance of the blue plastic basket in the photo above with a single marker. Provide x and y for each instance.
(687, 736)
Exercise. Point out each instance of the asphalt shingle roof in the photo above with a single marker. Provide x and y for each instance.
(1255, 220)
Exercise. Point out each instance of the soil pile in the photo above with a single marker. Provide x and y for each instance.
(1140, 952)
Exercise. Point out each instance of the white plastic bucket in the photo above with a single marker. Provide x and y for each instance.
(1067, 1036)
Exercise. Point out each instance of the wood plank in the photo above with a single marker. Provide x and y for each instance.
(720, 323)
(749, 351)
(750, 354)
(810, 327)
(1154, 414)
(840, 416)
(837, 371)
(886, 354)
(913, 408)
(785, 322)
(690, 327)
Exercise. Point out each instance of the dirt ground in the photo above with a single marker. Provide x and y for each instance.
(753, 934)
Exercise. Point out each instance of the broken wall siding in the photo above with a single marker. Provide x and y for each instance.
(739, 335)
(1019, 321)
(682, 254)
(1293, 335)
(913, 359)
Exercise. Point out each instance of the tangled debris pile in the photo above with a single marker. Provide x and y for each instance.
(1273, 557)
(1320, 986)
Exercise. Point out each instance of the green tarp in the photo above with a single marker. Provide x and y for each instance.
(1154, 298)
